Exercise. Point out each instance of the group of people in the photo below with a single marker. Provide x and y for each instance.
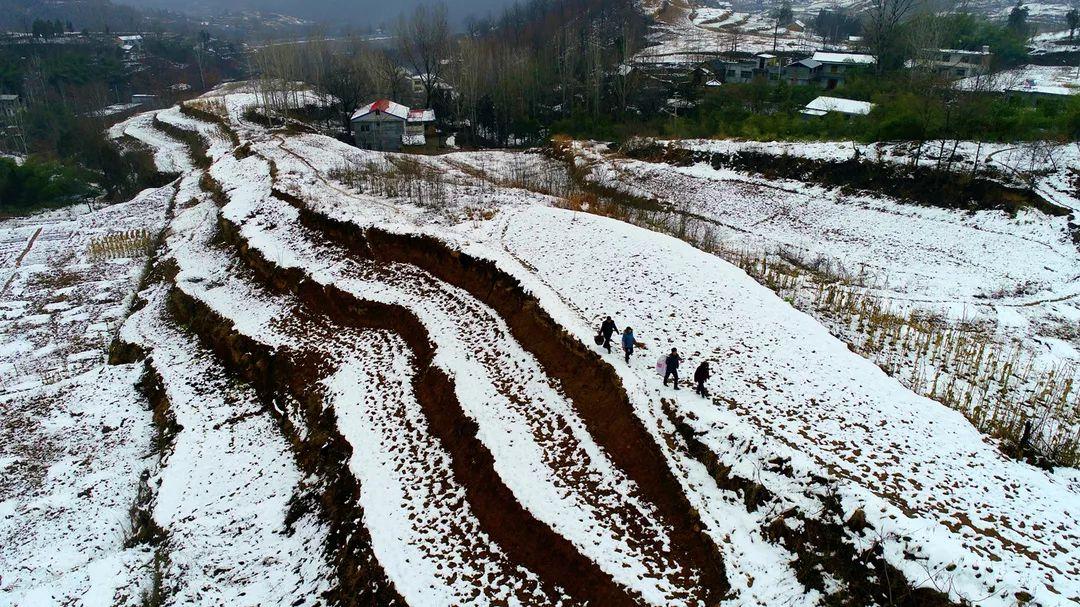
(671, 362)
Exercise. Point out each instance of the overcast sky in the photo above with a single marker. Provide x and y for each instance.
(354, 12)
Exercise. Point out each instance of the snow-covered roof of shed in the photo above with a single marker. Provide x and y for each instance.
(384, 106)
(836, 104)
(421, 116)
(826, 57)
(810, 63)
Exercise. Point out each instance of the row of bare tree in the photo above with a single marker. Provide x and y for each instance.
(495, 84)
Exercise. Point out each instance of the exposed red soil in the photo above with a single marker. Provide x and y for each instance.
(525, 539)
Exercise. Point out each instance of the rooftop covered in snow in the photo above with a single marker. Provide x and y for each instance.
(397, 110)
(855, 58)
(823, 105)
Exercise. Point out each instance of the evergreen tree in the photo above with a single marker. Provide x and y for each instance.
(1073, 19)
(1017, 22)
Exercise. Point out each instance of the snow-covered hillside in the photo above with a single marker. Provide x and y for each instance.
(371, 379)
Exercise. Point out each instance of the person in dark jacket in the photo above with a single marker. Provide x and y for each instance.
(607, 329)
(700, 376)
(672, 367)
(628, 342)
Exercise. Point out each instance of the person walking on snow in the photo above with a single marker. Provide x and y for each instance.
(628, 342)
(700, 376)
(607, 329)
(672, 367)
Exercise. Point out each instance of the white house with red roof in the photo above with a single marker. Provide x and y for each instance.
(388, 126)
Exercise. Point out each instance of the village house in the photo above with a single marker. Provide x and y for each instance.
(953, 63)
(803, 72)
(763, 65)
(836, 68)
(9, 104)
(388, 126)
(827, 70)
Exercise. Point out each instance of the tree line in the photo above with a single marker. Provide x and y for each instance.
(548, 65)
(499, 83)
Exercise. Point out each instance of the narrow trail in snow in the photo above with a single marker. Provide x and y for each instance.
(20, 258)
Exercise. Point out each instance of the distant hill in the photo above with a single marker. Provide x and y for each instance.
(18, 15)
(352, 12)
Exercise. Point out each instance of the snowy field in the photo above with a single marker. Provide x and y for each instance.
(74, 433)
(939, 259)
(1033, 79)
(481, 469)
(685, 29)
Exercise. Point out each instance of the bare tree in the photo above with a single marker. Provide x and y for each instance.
(882, 26)
(424, 43)
(387, 78)
(345, 77)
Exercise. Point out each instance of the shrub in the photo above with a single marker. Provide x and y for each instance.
(38, 183)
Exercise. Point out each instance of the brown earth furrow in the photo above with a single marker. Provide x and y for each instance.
(627, 517)
(591, 384)
(320, 448)
(525, 539)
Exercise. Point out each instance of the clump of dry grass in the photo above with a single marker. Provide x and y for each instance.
(129, 243)
(399, 177)
(996, 383)
(211, 105)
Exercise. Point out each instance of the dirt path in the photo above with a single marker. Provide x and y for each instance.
(19, 260)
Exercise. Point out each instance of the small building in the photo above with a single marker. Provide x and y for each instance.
(130, 43)
(803, 72)
(735, 72)
(388, 126)
(836, 68)
(826, 105)
(764, 65)
(9, 104)
(954, 63)
(796, 26)
(144, 99)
